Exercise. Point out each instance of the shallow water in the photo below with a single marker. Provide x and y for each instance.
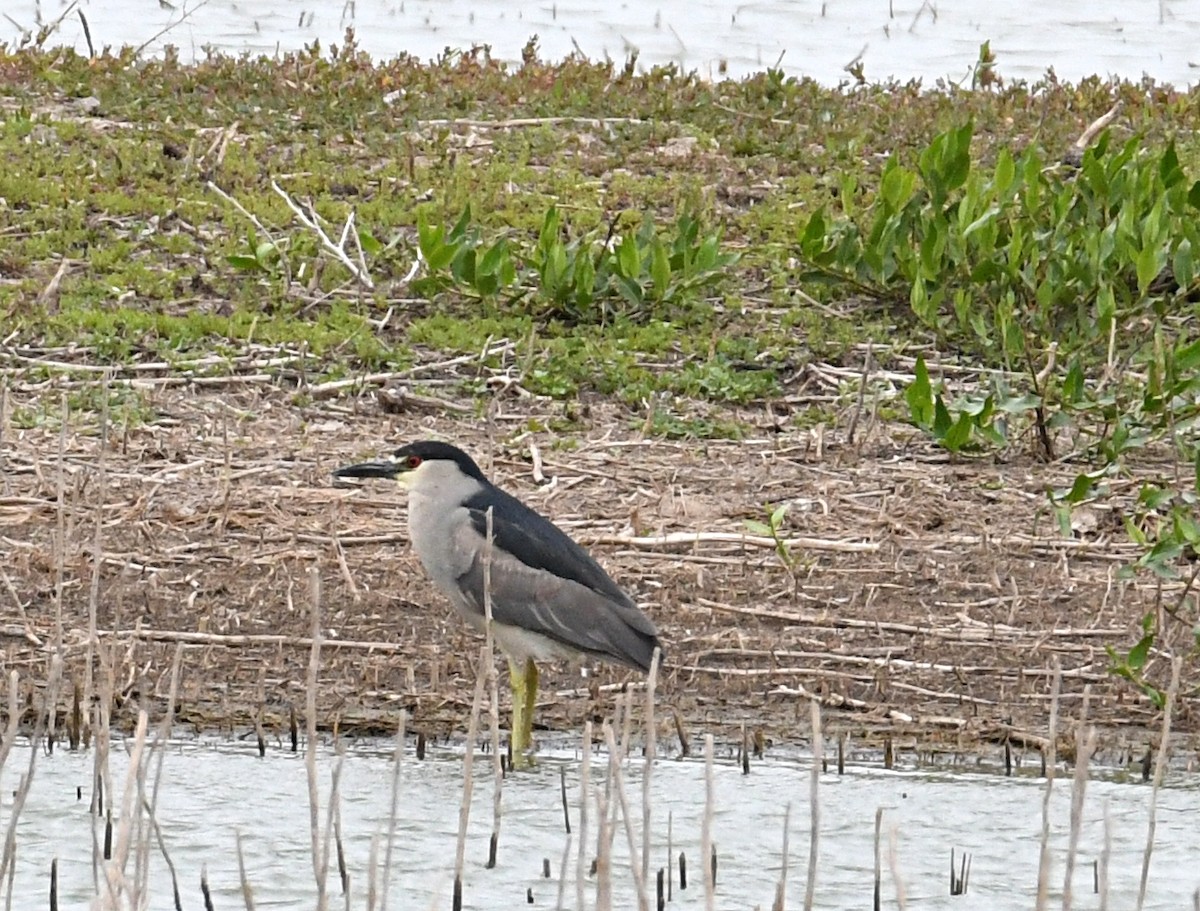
(211, 792)
(817, 38)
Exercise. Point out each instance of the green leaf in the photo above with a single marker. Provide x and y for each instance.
(1183, 264)
(757, 528)
(1138, 654)
(244, 262)
(370, 244)
(959, 434)
(919, 396)
(660, 270)
(1147, 268)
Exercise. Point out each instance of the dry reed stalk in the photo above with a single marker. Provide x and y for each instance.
(1105, 856)
(814, 806)
(878, 903)
(21, 792)
(1043, 884)
(493, 694)
(373, 873)
(563, 863)
(1085, 745)
(585, 772)
(158, 751)
(464, 810)
(102, 788)
(393, 815)
(14, 715)
(1160, 770)
(781, 886)
(639, 881)
(650, 747)
(116, 882)
(894, 867)
(603, 850)
(247, 891)
(310, 751)
(333, 823)
(60, 528)
(706, 842)
(97, 548)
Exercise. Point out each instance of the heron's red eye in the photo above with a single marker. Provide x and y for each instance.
(412, 462)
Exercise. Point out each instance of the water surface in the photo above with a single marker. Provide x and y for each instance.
(211, 792)
(818, 38)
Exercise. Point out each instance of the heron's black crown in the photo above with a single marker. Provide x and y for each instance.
(430, 450)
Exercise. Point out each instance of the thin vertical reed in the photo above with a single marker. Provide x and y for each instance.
(114, 870)
(8, 858)
(310, 753)
(878, 903)
(1043, 884)
(562, 875)
(781, 886)
(247, 891)
(393, 815)
(810, 885)
(1105, 856)
(706, 842)
(639, 881)
(604, 850)
(60, 531)
(894, 866)
(97, 547)
(651, 747)
(584, 795)
(1160, 770)
(158, 751)
(493, 696)
(464, 810)
(1085, 743)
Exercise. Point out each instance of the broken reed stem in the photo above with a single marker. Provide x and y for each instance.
(247, 891)
(563, 863)
(639, 881)
(1043, 884)
(781, 886)
(894, 867)
(114, 870)
(1105, 855)
(14, 715)
(584, 794)
(1085, 743)
(878, 903)
(706, 843)
(814, 806)
(333, 810)
(97, 550)
(101, 774)
(603, 850)
(464, 810)
(493, 695)
(393, 814)
(158, 751)
(60, 532)
(310, 753)
(1160, 770)
(650, 747)
(21, 792)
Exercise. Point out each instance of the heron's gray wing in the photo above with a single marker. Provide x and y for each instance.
(563, 609)
(537, 542)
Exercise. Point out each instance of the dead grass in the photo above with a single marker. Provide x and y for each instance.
(931, 600)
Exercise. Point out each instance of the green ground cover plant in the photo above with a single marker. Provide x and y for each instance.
(681, 247)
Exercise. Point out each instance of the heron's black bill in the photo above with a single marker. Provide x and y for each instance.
(369, 470)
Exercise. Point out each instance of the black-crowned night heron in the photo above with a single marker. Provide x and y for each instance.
(550, 599)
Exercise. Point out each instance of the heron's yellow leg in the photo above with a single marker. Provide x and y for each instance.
(524, 679)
